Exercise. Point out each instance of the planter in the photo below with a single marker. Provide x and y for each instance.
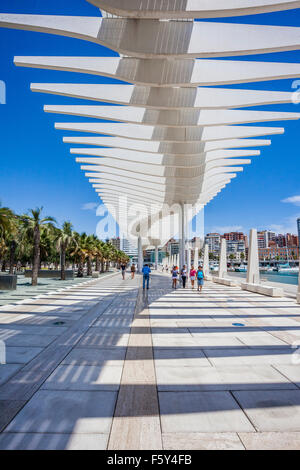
(50, 274)
(8, 282)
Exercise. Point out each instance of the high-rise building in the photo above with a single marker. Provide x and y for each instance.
(298, 227)
(264, 238)
(291, 240)
(116, 242)
(234, 236)
(213, 240)
(128, 248)
(280, 240)
(236, 248)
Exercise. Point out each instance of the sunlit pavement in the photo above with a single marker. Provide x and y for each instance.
(106, 365)
(26, 291)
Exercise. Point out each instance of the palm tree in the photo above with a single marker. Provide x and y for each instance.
(7, 220)
(107, 254)
(80, 252)
(13, 239)
(121, 257)
(98, 252)
(3, 252)
(6, 217)
(65, 236)
(90, 249)
(33, 224)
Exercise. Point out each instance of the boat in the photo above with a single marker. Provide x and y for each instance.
(286, 268)
(214, 267)
(266, 269)
(241, 269)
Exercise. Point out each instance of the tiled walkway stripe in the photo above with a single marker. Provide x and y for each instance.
(136, 423)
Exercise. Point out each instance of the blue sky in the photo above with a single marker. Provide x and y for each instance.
(38, 170)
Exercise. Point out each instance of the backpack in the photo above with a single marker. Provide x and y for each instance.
(200, 275)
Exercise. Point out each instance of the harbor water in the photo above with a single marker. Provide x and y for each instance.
(285, 278)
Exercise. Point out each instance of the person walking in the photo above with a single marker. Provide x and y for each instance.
(183, 276)
(146, 276)
(174, 277)
(200, 278)
(123, 269)
(133, 269)
(193, 273)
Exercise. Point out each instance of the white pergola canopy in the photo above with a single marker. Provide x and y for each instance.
(168, 138)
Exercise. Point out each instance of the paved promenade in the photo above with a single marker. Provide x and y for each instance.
(105, 365)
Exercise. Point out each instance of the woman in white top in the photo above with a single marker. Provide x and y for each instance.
(183, 276)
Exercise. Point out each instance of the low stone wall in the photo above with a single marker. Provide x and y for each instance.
(8, 282)
(50, 273)
(225, 282)
(263, 290)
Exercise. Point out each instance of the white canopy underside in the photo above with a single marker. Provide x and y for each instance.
(166, 141)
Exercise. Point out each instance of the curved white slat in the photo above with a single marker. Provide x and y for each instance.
(166, 98)
(161, 159)
(179, 118)
(139, 132)
(191, 8)
(151, 38)
(146, 146)
(165, 73)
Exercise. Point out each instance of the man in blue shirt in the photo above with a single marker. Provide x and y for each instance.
(146, 275)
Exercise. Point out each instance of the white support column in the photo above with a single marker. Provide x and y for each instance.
(196, 257)
(253, 262)
(140, 255)
(223, 259)
(156, 258)
(188, 259)
(182, 237)
(206, 263)
(222, 279)
(253, 278)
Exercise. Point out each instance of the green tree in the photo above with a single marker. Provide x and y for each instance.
(64, 238)
(80, 251)
(6, 218)
(33, 224)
